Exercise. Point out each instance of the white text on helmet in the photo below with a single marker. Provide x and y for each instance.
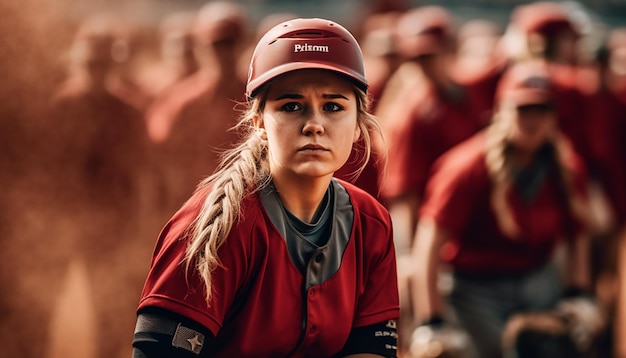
(309, 48)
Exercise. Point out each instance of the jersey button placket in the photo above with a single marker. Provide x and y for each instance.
(312, 329)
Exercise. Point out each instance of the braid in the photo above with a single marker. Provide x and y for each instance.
(242, 172)
(499, 171)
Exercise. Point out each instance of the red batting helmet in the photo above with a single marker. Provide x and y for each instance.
(305, 44)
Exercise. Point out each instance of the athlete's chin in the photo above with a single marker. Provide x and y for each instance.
(316, 170)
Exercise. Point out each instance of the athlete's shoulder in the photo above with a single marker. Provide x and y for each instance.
(465, 154)
(180, 223)
(464, 164)
(363, 202)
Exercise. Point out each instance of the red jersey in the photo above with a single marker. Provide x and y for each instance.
(570, 103)
(425, 127)
(262, 304)
(607, 147)
(458, 198)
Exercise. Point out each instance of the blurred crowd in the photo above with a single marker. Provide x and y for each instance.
(138, 114)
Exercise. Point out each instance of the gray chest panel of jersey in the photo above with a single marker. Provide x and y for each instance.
(317, 263)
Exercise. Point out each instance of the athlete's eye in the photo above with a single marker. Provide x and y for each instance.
(290, 107)
(332, 107)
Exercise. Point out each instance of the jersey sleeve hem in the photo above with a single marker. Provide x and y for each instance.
(389, 314)
(182, 309)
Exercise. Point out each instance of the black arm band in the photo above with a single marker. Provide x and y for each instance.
(160, 334)
(380, 338)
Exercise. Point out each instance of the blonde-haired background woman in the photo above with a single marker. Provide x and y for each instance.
(496, 209)
(272, 256)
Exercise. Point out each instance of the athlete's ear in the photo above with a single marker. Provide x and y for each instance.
(259, 124)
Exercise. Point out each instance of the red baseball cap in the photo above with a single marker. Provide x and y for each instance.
(525, 83)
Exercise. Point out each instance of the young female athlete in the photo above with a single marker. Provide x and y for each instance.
(496, 208)
(272, 256)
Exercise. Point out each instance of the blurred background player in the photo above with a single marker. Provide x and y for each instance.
(101, 137)
(547, 30)
(477, 46)
(189, 122)
(175, 53)
(33, 251)
(424, 112)
(606, 132)
(102, 151)
(497, 209)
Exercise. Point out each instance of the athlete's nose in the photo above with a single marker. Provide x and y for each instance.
(313, 124)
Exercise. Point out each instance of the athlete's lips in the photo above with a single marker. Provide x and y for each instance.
(313, 147)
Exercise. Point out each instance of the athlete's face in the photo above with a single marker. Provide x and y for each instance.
(310, 122)
(530, 126)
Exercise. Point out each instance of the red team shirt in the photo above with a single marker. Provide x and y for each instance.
(424, 126)
(458, 198)
(259, 306)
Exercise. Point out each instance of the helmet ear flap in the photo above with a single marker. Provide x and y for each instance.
(305, 43)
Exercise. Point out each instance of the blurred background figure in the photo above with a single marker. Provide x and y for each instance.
(175, 55)
(497, 209)
(102, 138)
(380, 50)
(104, 48)
(607, 137)
(548, 31)
(416, 102)
(424, 111)
(478, 47)
(591, 115)
(33, 253)
(189, 122)
(544, 29)
(561, 34)
(102, 154)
